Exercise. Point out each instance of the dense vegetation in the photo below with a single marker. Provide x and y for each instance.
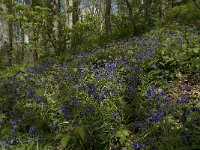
(135, 84)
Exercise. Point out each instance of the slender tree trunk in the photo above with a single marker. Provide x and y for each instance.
(102, 13)
(107, 17)
(56, 23)
(130, 11)
(162, 9)
(148, 9)
(68, 20)
(76, 11)
(122, 7)
(7, 46)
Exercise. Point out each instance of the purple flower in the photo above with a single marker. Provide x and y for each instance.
(13, 122)
(91, 109)
(166, 99)
(184, 97)
(163, 73)
(74, 123)
(115, 115)
(32, 129)
(91, 88)
(74, 102)
(53, 126)
(31, 92)
(3, 143)
(13, 141)
(186, 88)
(153, 66)
(150, 92)
(137, 145)
(39, 99)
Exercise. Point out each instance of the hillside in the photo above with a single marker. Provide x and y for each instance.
(141, 92)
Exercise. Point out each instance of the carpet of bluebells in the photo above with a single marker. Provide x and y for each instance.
(119, 96)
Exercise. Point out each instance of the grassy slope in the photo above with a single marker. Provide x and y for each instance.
(154, 53)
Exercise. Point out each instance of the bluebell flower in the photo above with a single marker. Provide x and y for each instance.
(67, 116)
(163, 73)
(166, 99)
(91, 109)
(98, 76)
(91, 88)
(151, 118)
(115, 115)
(39, 99)
(74, 102)
(13, 122)
(13, 129)
(186, 88)
(94, 67)
(137, 145)
(13, 141)
(32, 129)
(184, 97)
(136, 69)
(150, 92)
(64, 109)
(153, 66)
(74, 123)
(31, 92)
(3, 143)
(53, 126)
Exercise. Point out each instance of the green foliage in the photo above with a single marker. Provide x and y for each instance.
(187, 13)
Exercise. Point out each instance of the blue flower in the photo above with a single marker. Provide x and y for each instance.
(153, 66)
(166, 99)
(32, 129)
(115, 115)
(150, 92)
(13, 141)
(91, 88)
(186, 88)
(53, 126)
(74, 102)
(3, 143)
(74, 123)
(31, 92)
(137, 145)
(184, 97)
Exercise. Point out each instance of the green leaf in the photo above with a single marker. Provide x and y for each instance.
(58, 136)
(82, 133)
(196, 50)
(122, 134)
(65, 140)
(75, 69)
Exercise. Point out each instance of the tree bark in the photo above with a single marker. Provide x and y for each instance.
(130, 11)
(7, 46)
(162, 9)
(107, 17)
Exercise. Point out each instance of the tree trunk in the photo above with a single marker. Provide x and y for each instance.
(68, 4)
(148, 9)
(76, 11)
(130, 12)
(7, 46)
(162, 9)
(107, 17)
